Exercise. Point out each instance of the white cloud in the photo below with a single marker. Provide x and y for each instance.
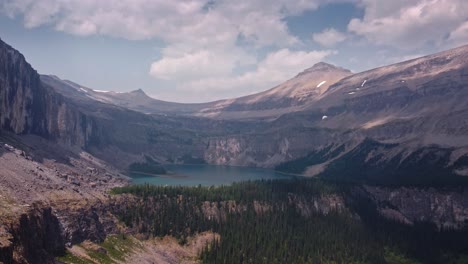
(459, 36)
(409, 23)
(396, 59)
(277, 67)
(179, 66)
(198, 64)
(286, 63)
(207, 41)
(201, 36)
(329, 37)
(261, 21)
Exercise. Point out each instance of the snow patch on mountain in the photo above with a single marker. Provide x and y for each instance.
(321, 83)
(364, 82)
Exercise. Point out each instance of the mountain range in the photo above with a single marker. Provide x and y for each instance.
(291, 96)
(388, 130)
(410, 113)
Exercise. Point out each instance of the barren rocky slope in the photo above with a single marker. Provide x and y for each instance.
(291, 96)
(50, 196)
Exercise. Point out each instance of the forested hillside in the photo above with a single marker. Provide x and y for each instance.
(297, 221)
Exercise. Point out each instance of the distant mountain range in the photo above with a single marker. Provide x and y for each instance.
(385, 123)
(291, 96)
(136, 100)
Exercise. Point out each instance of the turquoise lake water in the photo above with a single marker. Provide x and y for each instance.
(206, 175)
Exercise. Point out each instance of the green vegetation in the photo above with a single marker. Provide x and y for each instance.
(112, 250)
(392, 257)
(248, 191)
(422, 242)
(265, 222)
(72, 259)
(289, 237)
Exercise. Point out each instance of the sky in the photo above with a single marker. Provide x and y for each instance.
(204, 50)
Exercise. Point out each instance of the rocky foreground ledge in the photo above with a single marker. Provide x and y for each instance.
(49, 203)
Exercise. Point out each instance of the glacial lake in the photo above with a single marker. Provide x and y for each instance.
(206, 175)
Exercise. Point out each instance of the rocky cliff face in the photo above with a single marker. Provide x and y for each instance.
(42, 233)
(35, 238)
(28, 106)
(274, 146)
(38, 237)
(446, 208)
(22, 94)
(306, 207)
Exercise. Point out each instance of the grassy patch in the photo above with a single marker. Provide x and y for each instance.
(394, 257)
(115, 248)
(69, 258)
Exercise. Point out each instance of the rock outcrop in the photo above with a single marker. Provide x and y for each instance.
(42, 233)
(35, 238)
(446, 208)
(27, 106)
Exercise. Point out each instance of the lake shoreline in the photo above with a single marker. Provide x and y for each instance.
(167, 175)
(237, 166)
(207, 175)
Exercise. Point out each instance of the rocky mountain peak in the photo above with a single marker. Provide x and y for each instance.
(322, 67)
(139, 92)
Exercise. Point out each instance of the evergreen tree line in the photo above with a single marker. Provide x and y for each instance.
(282, 234)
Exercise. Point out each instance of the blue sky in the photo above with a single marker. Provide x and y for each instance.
(202, 50)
